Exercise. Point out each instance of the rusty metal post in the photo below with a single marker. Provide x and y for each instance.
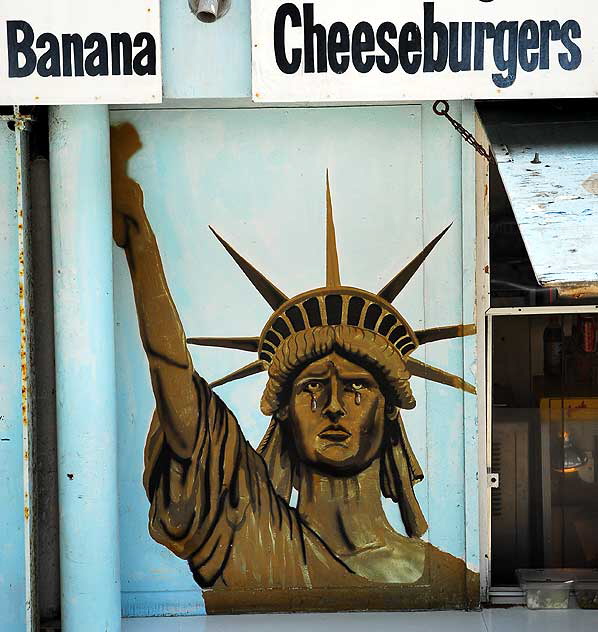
(17, 551)
(22, 124)
(85, 378)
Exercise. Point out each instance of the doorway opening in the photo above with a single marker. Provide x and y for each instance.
(542, 396)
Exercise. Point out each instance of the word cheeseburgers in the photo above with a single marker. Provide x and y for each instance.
(438, 46)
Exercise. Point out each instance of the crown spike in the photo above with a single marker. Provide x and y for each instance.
(419, 369)
(444, 333)
(394, 287)
(242, 344)
(265, 287)
(250, 369)
(333, 277)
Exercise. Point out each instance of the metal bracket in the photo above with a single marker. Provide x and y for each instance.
(18, 119)
(502, 153)
(493, 480)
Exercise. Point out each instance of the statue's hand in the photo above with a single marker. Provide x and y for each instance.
(128, 213)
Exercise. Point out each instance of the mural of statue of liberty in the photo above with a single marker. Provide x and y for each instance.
(338, 363)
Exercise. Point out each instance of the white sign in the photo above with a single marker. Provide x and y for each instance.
(79, 51)
(395, 50)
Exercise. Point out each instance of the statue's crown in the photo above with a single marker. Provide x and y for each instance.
(336, 304)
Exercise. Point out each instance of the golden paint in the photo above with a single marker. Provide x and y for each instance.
(333, 277)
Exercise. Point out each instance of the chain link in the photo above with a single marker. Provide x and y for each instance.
(441, 108)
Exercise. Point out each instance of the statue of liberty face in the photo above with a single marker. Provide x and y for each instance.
(336, 414)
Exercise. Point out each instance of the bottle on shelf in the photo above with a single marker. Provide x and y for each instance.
(553, 347)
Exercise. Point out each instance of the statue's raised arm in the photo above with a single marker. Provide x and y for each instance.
(162, 333)
(196, 457)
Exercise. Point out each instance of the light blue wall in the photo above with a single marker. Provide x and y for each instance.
(12, 549)
(206, 60)
(257, 176)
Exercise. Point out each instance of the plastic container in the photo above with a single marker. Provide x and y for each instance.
(546, 588)
(586, 590)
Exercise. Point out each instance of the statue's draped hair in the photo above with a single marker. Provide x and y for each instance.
(399, 469)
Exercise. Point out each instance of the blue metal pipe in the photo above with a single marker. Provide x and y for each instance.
(85, 377)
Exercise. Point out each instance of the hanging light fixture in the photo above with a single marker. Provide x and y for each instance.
(573, 457)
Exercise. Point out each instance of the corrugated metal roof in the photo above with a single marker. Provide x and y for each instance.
(554, 195)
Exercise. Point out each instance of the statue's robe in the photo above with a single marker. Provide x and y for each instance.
(249, 549)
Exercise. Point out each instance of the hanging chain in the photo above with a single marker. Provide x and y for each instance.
(441, 108)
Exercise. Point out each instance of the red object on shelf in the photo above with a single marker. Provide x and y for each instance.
(588, 332)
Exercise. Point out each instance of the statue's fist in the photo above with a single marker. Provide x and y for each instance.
(127, 197)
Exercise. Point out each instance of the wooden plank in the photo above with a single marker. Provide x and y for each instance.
(554, 197)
